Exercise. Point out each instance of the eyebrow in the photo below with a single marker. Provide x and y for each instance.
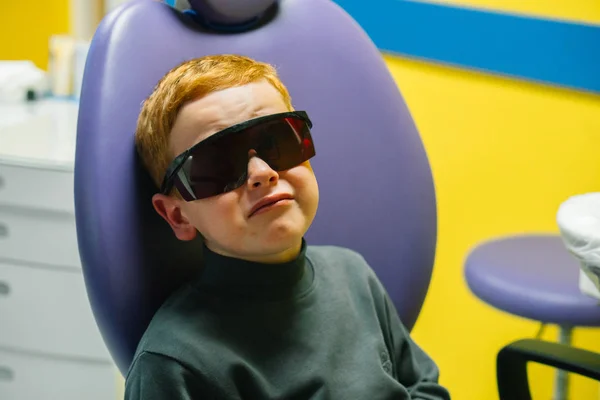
(206, 133)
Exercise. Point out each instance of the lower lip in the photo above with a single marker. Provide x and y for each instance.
(270, 207)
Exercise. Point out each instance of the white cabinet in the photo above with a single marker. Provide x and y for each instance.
(33, 187)
(54, 314)
(50, 345)
(25, 376)
(37, 237)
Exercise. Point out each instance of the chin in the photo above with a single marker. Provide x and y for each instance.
(286, 229)
(279, 242)
(280, 236)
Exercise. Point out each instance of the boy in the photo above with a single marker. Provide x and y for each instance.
(268, 317)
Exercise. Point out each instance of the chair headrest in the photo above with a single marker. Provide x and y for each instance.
(231, 12)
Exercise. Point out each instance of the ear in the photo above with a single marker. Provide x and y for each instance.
(170, 209)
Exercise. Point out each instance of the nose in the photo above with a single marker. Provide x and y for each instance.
(260, 173)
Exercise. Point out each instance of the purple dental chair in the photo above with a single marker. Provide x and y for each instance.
(376, 188)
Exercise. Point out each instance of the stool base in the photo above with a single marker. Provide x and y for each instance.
(561, 384)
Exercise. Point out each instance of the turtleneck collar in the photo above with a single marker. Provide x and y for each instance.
(230, 276)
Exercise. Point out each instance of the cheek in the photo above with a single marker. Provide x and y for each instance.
(207, 215)
(303, 179)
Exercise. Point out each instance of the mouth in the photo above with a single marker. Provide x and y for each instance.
(269, 203)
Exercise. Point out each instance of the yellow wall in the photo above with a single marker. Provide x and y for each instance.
(25, 28)
(504, 155)
(575, 10)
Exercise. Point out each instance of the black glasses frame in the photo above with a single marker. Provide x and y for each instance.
(177, 163)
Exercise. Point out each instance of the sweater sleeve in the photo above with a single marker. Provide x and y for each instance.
(414, 369)
(157, 377)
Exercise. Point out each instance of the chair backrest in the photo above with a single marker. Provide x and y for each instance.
(376, 189)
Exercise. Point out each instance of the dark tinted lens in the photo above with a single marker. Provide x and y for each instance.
(282, 143)
(294, 144)
(213, 168)
(201, 177)
(221, 166)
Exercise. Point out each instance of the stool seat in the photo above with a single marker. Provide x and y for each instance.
(533, 276)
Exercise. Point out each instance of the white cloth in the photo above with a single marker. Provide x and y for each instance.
(19, 77)
(578, 219)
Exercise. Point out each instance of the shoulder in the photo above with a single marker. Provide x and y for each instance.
(342, 264)
(345, 273)
(150, 362)
(335, 255)
(169, 332)
(154, 376)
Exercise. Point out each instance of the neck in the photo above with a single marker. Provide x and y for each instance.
(283, 256)
(228, 276)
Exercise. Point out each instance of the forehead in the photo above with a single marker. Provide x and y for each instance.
(216, 111)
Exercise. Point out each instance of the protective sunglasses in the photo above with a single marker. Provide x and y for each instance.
(219, 163)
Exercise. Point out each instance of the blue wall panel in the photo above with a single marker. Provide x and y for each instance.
(550, 51)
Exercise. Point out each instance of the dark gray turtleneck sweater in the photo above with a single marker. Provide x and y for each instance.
(319, 327)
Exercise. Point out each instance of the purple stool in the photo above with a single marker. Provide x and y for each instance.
(535, 277)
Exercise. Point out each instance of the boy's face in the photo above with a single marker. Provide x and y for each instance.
(273, 234)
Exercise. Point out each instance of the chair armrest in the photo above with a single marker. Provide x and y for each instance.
(512, 362)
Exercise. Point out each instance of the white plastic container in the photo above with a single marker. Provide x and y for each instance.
(60, 68)
(81, 51)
